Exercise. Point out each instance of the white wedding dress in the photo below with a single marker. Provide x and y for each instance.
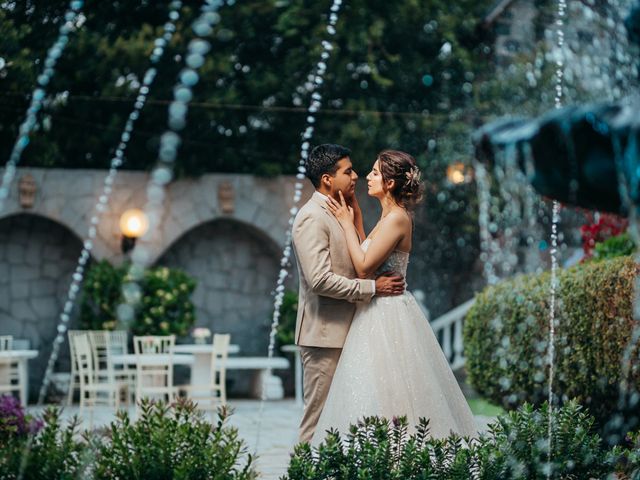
(392, 365)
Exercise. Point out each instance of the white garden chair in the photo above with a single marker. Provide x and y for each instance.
(154, 367)
(6, 342)
(90, 388)
(10, 378)
(118, 345)
(104, 371)
(208, 396)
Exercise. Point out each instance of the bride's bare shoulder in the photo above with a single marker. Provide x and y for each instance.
(399, 218)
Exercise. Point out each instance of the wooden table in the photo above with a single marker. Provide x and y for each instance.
(20, 357)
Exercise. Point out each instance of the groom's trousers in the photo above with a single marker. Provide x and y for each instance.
(319, 365)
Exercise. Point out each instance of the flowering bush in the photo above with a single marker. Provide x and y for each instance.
(54, 452)
(13, 421)
(165, 305)
(607, 225)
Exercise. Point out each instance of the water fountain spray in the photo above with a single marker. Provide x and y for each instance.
(117, 160)
(37, 98)
(315, 80)
(555, 220)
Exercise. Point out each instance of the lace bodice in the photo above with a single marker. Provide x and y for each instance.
(396, 262)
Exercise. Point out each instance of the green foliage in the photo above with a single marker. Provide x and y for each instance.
(56, 452)
(506, 333)
(172, 442)
(618, 246)
(514, 447)
(101, 295)
(520, 442)
(165, 306)
(288, 312)
(374, 92)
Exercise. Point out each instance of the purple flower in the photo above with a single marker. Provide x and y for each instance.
(13, 421)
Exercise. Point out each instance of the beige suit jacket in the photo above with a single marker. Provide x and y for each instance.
(328, 287)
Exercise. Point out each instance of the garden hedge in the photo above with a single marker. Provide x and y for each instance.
(506, 337)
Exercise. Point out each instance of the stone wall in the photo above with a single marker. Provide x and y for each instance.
(37, 258)
(233, 250)
(236, 268)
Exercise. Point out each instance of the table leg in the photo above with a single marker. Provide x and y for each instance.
(201, 374)
(23, 379)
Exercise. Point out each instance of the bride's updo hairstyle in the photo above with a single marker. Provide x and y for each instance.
(401, 167)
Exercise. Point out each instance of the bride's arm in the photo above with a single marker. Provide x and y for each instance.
(385, 241)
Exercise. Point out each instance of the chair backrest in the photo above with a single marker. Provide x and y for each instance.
(6, 342)
(151, 377)
(118, 342)
(83, 357)
(70, 335)
(154, 344)
(221, 343)
(99, 340)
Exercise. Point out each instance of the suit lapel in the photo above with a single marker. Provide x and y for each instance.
(319, 199)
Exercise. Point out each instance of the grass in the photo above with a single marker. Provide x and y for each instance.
(479, 406)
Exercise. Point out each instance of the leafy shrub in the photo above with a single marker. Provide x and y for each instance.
(55, 452)
(165, 306)
(13, 421)
(513, 448)
(172, 442)
(618, 246)
(288, 312)
(506, 333)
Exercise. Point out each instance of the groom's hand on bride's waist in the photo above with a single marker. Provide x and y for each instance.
(389, 283)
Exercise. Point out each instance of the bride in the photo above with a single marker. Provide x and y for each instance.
(391, 362)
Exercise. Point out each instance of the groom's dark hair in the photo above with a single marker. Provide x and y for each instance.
(324, 159)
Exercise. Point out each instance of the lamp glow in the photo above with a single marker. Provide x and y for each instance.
(458, 173)
(134, 223)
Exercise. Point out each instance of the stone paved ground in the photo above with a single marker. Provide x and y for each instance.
(278, 430)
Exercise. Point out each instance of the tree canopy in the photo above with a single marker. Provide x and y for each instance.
(401, 75)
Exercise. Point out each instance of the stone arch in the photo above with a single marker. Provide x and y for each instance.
(37, 258)
(236, 266)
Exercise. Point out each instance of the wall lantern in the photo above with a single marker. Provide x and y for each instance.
(133, 224)
(459, 173)
(27, 189)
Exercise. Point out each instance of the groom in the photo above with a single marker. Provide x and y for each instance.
(329, 288)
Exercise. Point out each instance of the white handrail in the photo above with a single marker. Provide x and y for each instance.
(448, 328)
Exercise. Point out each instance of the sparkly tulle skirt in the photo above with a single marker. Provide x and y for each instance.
(392, 365)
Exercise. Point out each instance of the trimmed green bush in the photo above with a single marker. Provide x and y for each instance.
(172, 442)
(506, 336)
(515, 447)
(288, 312)
(165, 307)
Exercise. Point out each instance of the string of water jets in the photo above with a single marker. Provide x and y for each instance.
(555, 220)
(314, 81)
(103, 200)
(37, 98)
(202, 26)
